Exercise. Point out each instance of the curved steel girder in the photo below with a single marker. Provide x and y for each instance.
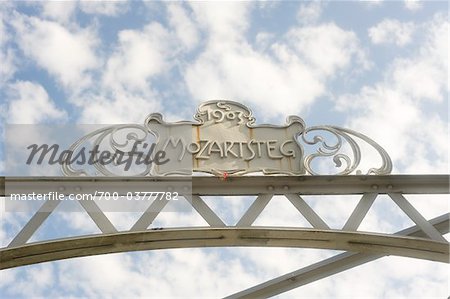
(223, 237)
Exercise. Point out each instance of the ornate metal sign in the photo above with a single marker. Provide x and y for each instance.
(224, 140)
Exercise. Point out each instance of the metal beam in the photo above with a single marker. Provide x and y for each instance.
(149, 215)
(34, 223)
(362, 246)
(254, 210)
(416, 217)
(300, 204)
(221, 237)
(330, 266)
(360, 211)
(205, 211)
(97, 215)
(244, 185)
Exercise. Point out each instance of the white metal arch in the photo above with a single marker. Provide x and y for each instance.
(424, 240)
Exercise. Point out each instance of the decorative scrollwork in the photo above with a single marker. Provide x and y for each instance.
(335, 151)
(118, 139)
(225, 140)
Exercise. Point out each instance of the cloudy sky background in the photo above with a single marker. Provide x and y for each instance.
(380, 68)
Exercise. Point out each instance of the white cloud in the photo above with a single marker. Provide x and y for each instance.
(392, 31)
(309, 12)
(327, 47)
(29, 104)
(145, 273)
(34, 282)
(389, 277)
(264, 40)
(413, 5)
(66, 54)
(104, 7)
(125, 92)
(285, 79)
(185, 29)
(406, 74)
(7, 55)
(117, 107)
(223, 21)
(429, 67)
(412, 132)
(139, 55)
(61, 11)
(241, 74)
(232, 68)
(372, 3)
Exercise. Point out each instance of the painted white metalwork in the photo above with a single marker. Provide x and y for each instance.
(424, 240)
(225, 139)
(328, 267)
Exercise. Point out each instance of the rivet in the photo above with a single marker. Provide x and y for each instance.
(390, 186)
(270, 188)
(374, 187)
(286, 187)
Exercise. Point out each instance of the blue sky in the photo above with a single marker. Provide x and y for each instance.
(380, 68)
